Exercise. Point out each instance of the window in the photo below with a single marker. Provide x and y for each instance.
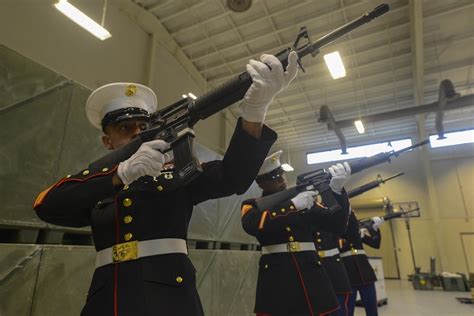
(357, 152)
(455, 138)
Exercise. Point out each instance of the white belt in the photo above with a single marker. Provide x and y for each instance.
(328, 253)
(292, 246)
(353, 252)
(137, 249)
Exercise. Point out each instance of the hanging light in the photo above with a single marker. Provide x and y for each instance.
(335, 65)
(286, 166)
(78, 17)
(359, 126)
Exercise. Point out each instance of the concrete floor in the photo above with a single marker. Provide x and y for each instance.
(404, 300)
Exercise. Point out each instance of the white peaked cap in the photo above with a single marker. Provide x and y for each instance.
(119, 95)
(271, 163)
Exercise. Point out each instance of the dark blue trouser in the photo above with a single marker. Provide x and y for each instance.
(343, 303)
(368, 297)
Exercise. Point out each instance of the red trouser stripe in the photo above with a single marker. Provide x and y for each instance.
(303, 286)
(116, 265)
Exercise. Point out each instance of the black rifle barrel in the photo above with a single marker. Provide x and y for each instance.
(398, 214)
(343, 30)
(393, 177)
(366, 223)
(234, 90)
(364, 163)
(371, 185)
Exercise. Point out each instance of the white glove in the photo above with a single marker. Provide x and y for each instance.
(267, 83)
(377, 222)
(147, 161)
(340, 174)
(364, 232)
(304, 200)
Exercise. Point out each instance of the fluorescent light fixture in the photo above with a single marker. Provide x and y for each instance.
(335, 65)
(286, 167)
(82, 20)
(355, 152)
(359, 126)
(192, 96)
(185, 96)
(455, 138)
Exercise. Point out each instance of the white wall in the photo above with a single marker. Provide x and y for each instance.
(35, 29)
(433, 235)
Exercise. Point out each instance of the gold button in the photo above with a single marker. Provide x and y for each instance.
(291, 238)
(127, 219)
(293, 247)
(282, 210)
(274, 213)
(125, 187)
(105, 169)
(318, 240)
(319, 263)
(292, 207)
(128, 236)
(68, 176)
(266, 266)
(318, 233)
(127, 202)
(337, 259)
(85, 172)
(159, 188)
(288, 229)
(179, 279)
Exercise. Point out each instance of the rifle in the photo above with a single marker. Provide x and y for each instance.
(318, 180)
(174, 123)
(371, 185)
(368, 222)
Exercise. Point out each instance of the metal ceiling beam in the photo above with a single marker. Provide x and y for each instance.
(318, 61)
(436, 14)
(182, 11)
(228, 12)
(292, 26)
(157, 6)
(287, 28)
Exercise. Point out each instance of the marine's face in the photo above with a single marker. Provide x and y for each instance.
(121, 133)
(275, 185)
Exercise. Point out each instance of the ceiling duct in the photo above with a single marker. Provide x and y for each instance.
(239, 5)
(325, 116)
(448, 99)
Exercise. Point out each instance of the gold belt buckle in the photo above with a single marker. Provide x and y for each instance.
(294, 246)
(321, 253)
(353, 251)
(125, 251)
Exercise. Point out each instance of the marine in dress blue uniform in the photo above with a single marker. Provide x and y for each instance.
(361, 273)
(138, 212)
(291, 277)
